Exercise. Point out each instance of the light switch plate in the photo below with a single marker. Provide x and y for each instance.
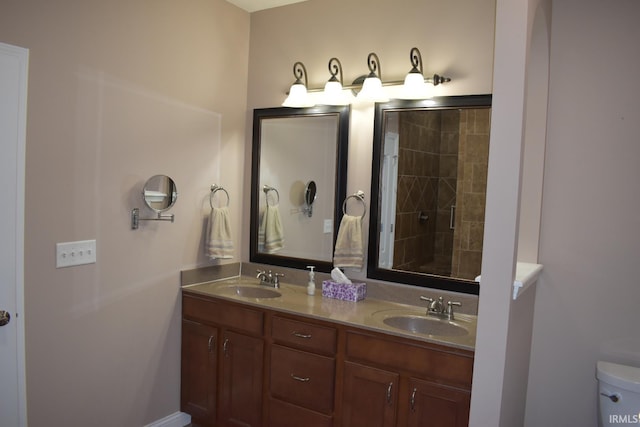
(328, 226)
(81, 252)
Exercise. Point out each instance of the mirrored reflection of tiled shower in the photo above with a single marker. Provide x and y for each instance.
(441, 188)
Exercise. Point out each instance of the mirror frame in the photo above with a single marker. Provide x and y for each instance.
(406, 277)
(342, 150)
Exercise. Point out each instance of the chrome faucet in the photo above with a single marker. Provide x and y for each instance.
(269, 278)
(438, 308)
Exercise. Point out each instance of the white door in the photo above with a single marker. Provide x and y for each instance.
(389, 191)
(13, 102)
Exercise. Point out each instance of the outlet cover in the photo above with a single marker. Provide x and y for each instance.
(81, 252)
(328, 226)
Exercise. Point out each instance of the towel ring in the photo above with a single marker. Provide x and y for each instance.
(359, 195)
(214, 189)
(266, 189)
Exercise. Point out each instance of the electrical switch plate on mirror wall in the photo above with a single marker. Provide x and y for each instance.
(69, 254)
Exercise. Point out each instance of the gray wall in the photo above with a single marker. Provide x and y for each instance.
(587, 298)
(119, 91)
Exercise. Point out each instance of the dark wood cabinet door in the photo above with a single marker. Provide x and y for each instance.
(370, 396)
(435, 405)
(241, 362)
(198, 371)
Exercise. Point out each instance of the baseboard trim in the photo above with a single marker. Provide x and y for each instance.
(177, 419)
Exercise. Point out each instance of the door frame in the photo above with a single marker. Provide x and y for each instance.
(22, 56)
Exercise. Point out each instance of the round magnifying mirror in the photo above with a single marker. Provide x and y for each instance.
(160, 193)
(310, 193)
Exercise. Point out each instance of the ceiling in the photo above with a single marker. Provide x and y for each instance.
(255, 5)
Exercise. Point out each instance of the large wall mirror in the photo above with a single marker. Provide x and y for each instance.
(298, 183)
(428, 191)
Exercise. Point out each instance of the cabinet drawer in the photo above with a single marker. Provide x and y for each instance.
(303, 335)
(283, 414)
(221, 313)
(452, 368)
(302, 378)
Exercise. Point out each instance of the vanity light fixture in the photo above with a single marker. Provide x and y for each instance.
(369, 88)
(333, 91)
(415, 86)
(298, 97)
(372, 87)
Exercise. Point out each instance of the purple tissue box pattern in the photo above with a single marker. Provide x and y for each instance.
(344, 291)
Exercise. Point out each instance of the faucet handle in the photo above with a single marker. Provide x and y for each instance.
(427, 299)
(276, 279)
(450, 305)
(262, 276)
(431, 301)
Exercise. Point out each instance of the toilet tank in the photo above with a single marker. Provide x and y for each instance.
(618, 394)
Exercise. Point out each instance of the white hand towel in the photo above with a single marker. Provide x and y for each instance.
(270, 233)
(219, 243)
(349, 250)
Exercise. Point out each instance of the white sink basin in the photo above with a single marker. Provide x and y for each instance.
(418, 322)
(425, 325)
(250, 291)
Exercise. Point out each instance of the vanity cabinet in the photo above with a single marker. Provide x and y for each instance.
(243, 365)
(370, 396)
(392, 382)
(199, 370)
(222, 363)
(241, 380)
(301, 373)
(433, 404)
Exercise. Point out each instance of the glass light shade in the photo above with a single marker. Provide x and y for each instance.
(334, 95)
(298, 97)
(372, 91)
(415, 87)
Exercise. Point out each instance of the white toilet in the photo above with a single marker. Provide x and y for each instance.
(619, 394)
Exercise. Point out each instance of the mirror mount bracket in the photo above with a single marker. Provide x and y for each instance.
(307, 210)
(135, 218)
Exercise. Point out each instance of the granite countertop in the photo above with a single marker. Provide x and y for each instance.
(368, 313)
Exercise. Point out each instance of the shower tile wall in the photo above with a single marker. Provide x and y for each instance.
(427, 173)
(416, 190)
(471, 194)
(443, 157)
(447, 192)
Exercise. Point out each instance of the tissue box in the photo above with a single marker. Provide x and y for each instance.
(344, 291)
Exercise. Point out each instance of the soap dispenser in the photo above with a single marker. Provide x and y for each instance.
(311, 286)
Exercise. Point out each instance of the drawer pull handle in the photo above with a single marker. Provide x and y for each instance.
(301, 379)
(210, 344)
(225, 347)
(389, 393)
(301, 335)
(412, 401)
